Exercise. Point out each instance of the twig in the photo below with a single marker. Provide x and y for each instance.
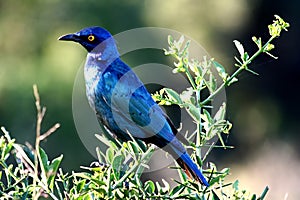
(50, 131)
(37, 156)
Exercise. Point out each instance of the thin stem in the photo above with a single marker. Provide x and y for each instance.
(37, 156)
(147, 158)
(134, 167)
(37, 142)
(190, 77)
(109, 183)
(238, 71)
(49, 132)
(198, 139)
(199, 125)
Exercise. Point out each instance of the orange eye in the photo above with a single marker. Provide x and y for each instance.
(91, 38)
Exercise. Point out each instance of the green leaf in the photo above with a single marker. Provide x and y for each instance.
(193, 112)
(109, 155)
(178, 70)
(117, 165)
(206, 116)
(4, 151)
(98, 182)
(199, 160)
(80, 185)
(194, 66)
(170, 40)
(257, 42)
(220, 176)
(178, 44)
(220, 115)
(149, 186)
(253, 197)
(221, 70)
(177, 190)
(134, 148)
(55, 163)
(44, 158)
(235, 185)
(184, 52)
(9, 147)
(88, 197)
(195, 185)
(53, 167)
(245, 57)
(173, 96)
(211, 83)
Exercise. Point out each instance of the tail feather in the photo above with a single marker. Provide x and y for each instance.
(191, 169)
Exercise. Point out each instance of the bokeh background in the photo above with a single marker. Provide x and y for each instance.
(264, 109)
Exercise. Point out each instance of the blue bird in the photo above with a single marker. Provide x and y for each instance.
(121, 101)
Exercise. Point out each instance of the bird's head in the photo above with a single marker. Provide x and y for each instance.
(89, 37)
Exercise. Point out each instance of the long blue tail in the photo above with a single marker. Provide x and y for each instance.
(191, 168)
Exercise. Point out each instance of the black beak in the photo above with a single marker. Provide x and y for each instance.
(70, 37)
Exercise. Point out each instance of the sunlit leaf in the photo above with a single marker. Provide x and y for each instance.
(239, 47)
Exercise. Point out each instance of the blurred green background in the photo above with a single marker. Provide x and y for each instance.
(264, 109)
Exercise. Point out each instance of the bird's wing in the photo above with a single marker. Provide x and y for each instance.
(132, 107)
(137, 112)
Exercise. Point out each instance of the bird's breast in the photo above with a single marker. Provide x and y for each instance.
(92, 74)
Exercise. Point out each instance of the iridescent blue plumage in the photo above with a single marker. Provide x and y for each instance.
(121, 101)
